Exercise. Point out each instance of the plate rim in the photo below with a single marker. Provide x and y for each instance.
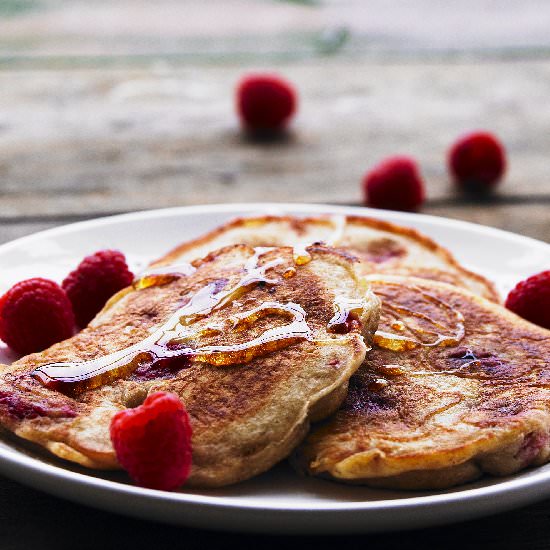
(507, 485)
(14, 463)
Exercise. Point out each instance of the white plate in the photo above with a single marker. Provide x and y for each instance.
(278, 501)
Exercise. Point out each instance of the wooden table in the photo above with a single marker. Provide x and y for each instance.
(96, 122)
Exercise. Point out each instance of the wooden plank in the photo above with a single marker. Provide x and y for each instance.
(195, 29)
(531, 220)
(73, 141)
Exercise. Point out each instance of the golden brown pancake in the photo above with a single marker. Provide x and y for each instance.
(455, 386)
(252, 344)
(382, 247)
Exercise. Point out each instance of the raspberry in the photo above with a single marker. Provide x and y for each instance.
(477, 161)
(265, 102)
(94, 281)
(530, 299)
(394, 184)
(34, 314)
(153, 441)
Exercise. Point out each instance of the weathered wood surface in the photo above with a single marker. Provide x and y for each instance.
(103, 113)
(74, 141)
(195, 29)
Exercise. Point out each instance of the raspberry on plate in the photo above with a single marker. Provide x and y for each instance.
(153, 442)
(34, 314)
(477, 161)
(394, 184)
(94, 281)
(265, 102)
(530, 299)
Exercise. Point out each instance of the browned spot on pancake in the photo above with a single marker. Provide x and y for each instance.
(225, 395)
(362, 400)
(299, 225)
(433, 275)
(481, 363)
(398, 402)
(344, 253)
(383, 250)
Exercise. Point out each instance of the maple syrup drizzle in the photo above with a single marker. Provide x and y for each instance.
(398, 325)
(460, 372)
(289, 272)
(392, 370)
(377, 384)
(270, 340)
(301, 255)
(345, 309)
(448, 334)
(163, 275)
(339, 222)
(165, 342)
(471, 360)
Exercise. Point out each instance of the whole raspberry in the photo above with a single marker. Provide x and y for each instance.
(34, 314)
(265, 102)
(153, 442)
(530, 299)
(94, 281)
(394, 184)
(477, 161)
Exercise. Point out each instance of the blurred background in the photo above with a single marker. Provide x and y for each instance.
(109, 106)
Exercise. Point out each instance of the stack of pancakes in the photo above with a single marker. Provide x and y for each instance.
(359, 348)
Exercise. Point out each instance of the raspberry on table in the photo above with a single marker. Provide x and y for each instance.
(265, 102)
(530, 299)
(34, 314)
(153, 442)
(94, 281)
(477, 161)
(394, 184)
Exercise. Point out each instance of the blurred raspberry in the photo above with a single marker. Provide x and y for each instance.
(477, 161)
(153, 442)
(394, 184)
(34, 314)
(530, 299)
(94, 281)
(265, 102)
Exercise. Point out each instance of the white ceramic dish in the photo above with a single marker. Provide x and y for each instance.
(278, 501)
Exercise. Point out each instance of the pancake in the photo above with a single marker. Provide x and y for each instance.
(253, 344)
(382, 247)
(456, 386)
